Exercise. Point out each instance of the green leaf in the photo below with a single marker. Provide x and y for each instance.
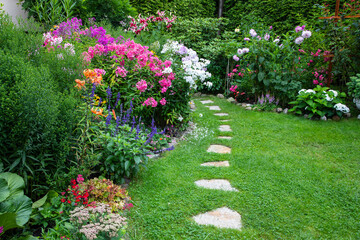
(20, 205)
(137, 159)
(15, 183)
(261, 76)
(4, 190)
(28, 237)
(47, 198)
(310, 103)
(261, 59)
(8, 221)
(127, 165)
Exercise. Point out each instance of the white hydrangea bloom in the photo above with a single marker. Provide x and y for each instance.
(342, 108)
(310, 91)
(302, 90)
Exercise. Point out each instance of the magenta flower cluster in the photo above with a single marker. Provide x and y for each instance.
(130, 58)
(142, 24)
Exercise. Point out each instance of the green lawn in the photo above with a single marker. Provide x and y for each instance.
(297, 179)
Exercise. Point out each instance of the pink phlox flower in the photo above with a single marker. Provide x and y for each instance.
(150, 102)
(80, 179)
(233, 88)
(141, 85)
(121, 71)
(163, 101)
(167, 63)
(171, 76)
(164, 89)
(298, 29)
(165, 83)
(100, 71)
(267, 36)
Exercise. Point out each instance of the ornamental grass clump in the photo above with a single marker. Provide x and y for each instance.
(319, 102)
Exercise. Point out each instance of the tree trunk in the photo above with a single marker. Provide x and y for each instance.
(221, 7)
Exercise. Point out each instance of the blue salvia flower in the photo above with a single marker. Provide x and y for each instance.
(117, 99)
(150, 136)
(108, 119)
(133, 124)
(93, 90)
(152, 123)
(108, 94)
(137, 132)
(121, 112)
(118, 121)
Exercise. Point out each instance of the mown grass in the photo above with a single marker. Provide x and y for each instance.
(297, 179)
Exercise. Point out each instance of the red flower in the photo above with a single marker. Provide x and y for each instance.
(63, 193)
(69, 201)
(63, 200)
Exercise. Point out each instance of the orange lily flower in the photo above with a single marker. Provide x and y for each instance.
(97, 80)
(114, 114)
(98, 112)
(80, 84)
(89, 73)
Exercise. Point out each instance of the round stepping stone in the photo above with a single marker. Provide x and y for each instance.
(221, 218)
(224, 120)
(224, 137)
(221, 114)
(225, 128)
(218, 184)
(219, 149)
(216, 164)
(214, 108)
(206, 101)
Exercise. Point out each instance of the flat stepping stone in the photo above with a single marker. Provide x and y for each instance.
(216, 164)
(221, 218)
(225, 128)
(224, 137)
(219, 149)
(221, 114)
(218, 184)
(214, 108)
(206, 101)
(224, 120)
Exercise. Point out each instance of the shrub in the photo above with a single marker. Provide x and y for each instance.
(38, 105)
(319, 102)
(267, 63)
(354, 86)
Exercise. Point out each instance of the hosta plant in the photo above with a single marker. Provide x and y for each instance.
(319, 102)
(15, 207)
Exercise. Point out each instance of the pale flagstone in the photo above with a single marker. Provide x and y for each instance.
(221, 218)
(219, 184)
(206, 101)
(216, 164)
(221, 114)
(225, 128)
(219, 149)
(224, 120)
(216, 108)
(224, 137)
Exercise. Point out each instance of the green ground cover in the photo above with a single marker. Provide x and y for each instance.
(297, 179)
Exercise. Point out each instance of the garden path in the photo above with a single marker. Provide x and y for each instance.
(221, 217)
